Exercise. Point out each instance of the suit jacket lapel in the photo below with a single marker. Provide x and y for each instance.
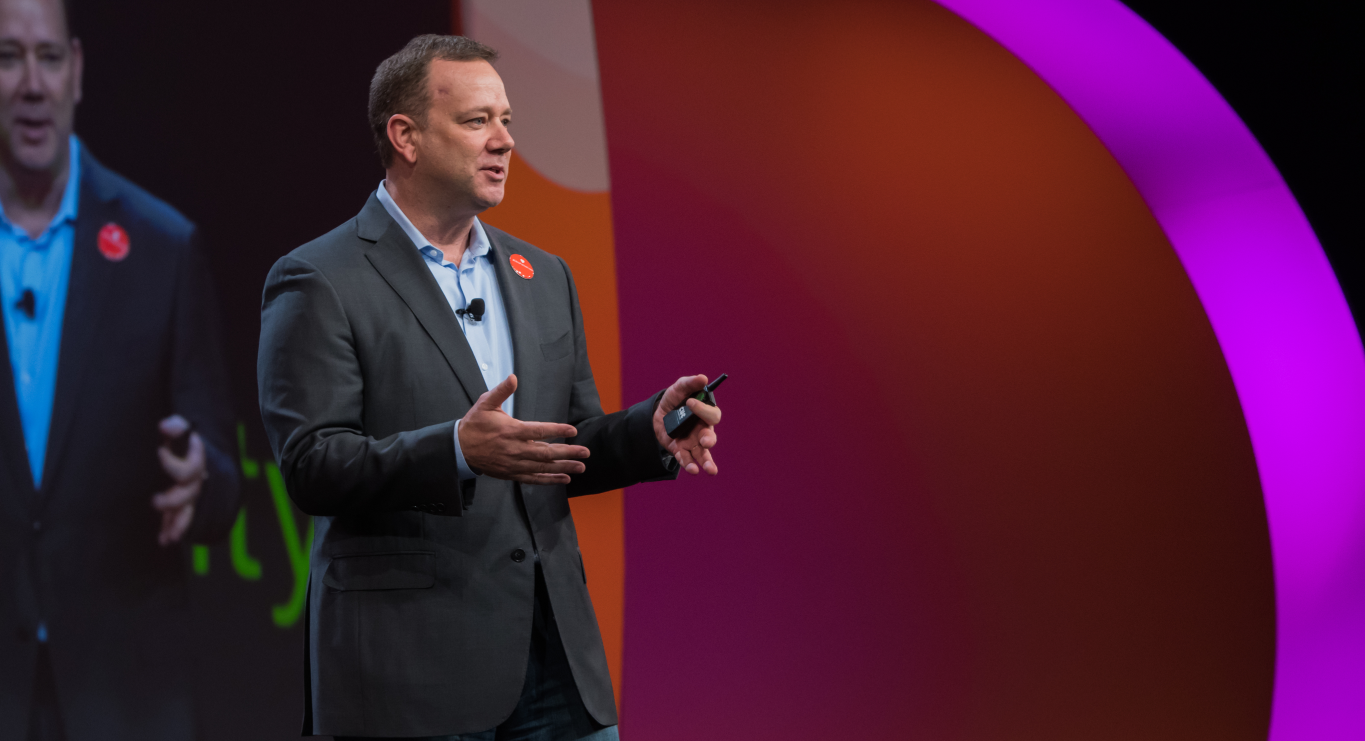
(401, 265)
(86, 292)
(518, 300)
(13, 453)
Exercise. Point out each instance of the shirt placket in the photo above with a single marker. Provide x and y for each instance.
(474, 330)
(32, 276)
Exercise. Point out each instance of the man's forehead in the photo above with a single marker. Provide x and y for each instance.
(475, 77)
(33, 21)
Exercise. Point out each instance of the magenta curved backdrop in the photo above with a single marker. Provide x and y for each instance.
(1280, 316)
(1035, 364)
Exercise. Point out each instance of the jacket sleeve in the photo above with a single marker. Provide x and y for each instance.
(624, 449)
(200, 393)
(312, 403)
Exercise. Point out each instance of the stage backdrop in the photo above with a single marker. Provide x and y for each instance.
(1019, 372)
(991, 465)
(986, 472)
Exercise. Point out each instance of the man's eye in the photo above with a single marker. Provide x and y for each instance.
(50, 54)
(479, 120)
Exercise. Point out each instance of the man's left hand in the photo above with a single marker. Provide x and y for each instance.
(694, 451)
(177, 503)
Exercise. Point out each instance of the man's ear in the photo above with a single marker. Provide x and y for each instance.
(77, 69)
(404, 134)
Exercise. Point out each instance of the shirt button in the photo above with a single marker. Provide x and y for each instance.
(483, 366)
(518, 555)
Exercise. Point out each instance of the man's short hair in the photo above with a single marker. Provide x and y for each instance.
(400, 82)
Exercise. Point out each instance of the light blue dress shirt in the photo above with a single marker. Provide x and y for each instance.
(491, 337)
(43, 266)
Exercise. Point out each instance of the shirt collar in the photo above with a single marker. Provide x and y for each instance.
(66, 211)
(478, 243)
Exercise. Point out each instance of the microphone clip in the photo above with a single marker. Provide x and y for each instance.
(27, 303)
(474, 310)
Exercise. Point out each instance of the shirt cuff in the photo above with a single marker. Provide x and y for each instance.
(466, 473)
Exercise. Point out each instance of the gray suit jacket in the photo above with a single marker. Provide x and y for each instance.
(419, 601)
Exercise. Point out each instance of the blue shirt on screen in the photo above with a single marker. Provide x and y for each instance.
(491, 337)
(43, 266)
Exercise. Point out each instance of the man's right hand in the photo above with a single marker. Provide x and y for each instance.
(494, 444)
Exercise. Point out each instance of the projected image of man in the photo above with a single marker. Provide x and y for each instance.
(113, 418)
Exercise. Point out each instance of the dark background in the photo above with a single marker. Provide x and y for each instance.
(249, 117)
(1292, 71)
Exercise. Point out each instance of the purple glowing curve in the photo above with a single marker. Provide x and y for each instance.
(1277, 310)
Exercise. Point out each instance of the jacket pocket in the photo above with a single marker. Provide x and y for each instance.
(557, 349)
(373, 571)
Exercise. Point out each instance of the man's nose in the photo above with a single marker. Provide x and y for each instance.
(31, 85)
(501, 141)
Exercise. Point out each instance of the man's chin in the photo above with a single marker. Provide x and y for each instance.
(487, 199)
(33, 157)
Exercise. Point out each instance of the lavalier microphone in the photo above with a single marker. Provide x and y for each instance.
(475, 310)
(27, 303)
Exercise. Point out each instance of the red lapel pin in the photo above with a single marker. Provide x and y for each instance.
(521, 266)
(113, 242)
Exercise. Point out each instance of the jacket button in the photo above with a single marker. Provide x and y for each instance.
(518, 555)
(438, 507)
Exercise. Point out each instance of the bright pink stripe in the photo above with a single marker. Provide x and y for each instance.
(1280, 317)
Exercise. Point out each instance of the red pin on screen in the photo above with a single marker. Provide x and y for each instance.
(521, 266)
(113, 242)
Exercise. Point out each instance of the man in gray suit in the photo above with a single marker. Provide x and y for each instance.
(447, 593)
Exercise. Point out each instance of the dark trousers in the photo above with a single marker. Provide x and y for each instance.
(45, 716)
(550, 708)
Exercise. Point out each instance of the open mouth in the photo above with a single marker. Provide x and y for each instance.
(32, 128)
(497, 171)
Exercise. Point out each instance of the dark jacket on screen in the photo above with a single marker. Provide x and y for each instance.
(139, 342)
(421, 590)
